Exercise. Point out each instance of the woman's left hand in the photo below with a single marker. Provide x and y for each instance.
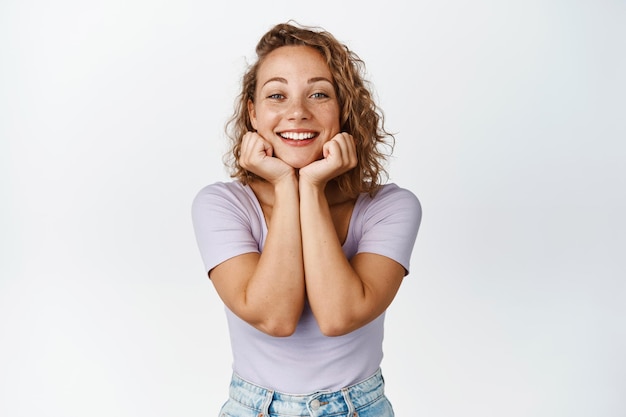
(339, 156)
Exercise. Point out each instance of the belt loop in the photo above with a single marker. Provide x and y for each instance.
(265, 410)
(346, 396)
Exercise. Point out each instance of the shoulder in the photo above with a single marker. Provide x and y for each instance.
(233, 192)
(387, 223)
(391, 205)
(232, 198)
(231, 189)
(393, 197)
(226, 222)
(393, 189)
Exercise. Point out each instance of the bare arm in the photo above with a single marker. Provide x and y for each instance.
(343, 295)
(267, 290)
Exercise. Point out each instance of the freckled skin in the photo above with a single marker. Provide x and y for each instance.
(295, 96)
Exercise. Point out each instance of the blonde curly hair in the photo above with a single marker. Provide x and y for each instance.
(360, 116)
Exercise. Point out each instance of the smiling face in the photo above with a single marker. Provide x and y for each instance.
(295, 106)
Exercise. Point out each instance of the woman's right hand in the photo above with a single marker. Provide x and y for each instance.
(257, 156)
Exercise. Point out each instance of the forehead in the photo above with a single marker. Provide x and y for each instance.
(293, 62)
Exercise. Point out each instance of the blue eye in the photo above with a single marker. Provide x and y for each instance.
(319, 95)
(276, 96)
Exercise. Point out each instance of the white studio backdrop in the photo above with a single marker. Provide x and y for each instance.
(510, 129)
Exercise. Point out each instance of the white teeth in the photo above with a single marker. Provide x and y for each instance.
(297, 136)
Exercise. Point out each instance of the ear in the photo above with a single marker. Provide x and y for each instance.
(252, 113)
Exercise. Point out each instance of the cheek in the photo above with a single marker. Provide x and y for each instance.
(333, 114)
(333, 120)
(264, 116)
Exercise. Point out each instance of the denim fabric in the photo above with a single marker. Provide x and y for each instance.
(365, 399)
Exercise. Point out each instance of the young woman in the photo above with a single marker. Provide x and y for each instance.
(306, 247)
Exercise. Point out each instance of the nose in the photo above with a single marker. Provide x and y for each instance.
(298, 109)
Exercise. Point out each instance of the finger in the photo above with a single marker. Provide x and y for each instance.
(251, 148)
(247, 143)
(347, 148)
(331, 149)
(344, 145)
(256, 145)
(267, 148)
(243, 150)
(350, 150)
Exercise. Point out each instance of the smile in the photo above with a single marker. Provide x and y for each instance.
(297, 135)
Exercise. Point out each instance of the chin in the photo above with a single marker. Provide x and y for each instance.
(298, 163)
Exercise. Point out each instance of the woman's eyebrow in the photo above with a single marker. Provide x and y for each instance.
(310, 81)
(279, 79)
(316, 79)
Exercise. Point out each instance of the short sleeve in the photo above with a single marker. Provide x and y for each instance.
(225, 223)
(389, 224)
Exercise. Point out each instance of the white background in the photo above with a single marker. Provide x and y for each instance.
(510, 129)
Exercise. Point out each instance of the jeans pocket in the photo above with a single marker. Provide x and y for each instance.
(379, 408)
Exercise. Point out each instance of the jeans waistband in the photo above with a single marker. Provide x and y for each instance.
(342, 402)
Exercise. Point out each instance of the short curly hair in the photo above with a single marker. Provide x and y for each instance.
(360, 116)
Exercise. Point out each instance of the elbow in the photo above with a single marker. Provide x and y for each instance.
(333, 325)
(332, 332)
(335, 328)
(279, 328)
(275, 323)
(278, 331)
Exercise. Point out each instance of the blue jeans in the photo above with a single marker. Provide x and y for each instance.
(365, 399)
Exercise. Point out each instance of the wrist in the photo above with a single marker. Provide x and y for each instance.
(311, 191)
(286, 183)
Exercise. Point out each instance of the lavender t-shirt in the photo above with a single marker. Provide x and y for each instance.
(228, 221)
